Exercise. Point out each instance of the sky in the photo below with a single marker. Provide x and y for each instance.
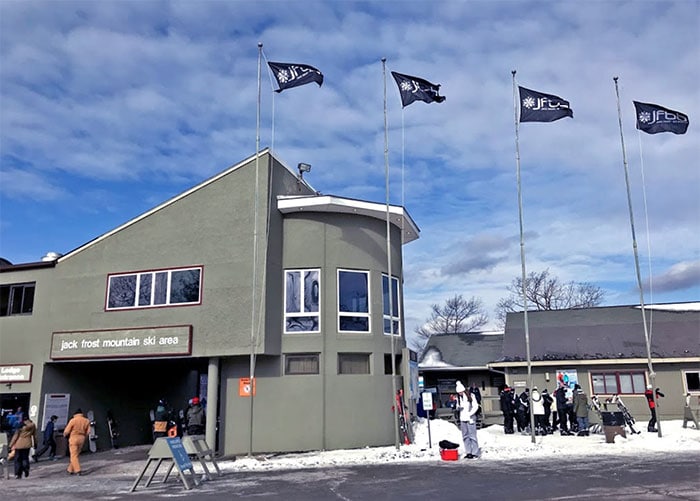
(108, 109)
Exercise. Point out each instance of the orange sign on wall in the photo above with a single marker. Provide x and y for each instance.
(245, 388)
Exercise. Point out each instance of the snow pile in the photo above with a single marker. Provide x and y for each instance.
(495, 446)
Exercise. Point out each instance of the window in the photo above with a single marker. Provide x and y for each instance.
(692, 381)
(154, 288)
(17, 299)
(353, 301)
(301, 297)
(395, 318)
(301, 364)
(387, 364)
(613, 383)
(353, 363)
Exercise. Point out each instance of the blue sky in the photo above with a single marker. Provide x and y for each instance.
(109, 108)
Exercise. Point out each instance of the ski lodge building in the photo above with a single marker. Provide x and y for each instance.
(603, 349)
(191, 297)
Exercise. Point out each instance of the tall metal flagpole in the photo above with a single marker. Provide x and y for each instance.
(255, 253)
(388, 265)
(652, 374)
(522, 256)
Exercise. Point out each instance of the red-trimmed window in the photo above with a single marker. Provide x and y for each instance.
(618, 382)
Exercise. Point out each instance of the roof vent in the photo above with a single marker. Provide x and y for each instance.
(51, 256)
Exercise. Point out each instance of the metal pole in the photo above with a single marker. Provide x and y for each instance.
(388, 265)
(255, 255)
(522, 256)
(652, 374)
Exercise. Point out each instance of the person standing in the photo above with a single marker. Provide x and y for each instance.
(652, 406)
(22, 441)
(523, 411)
(538, 411)
(508, 408)
(474, 390)
(76, 431)
(161, 419)
(468, 407)
(49, 441)
(560, 399)
(196, 418)
(547, 400)
(581, 411)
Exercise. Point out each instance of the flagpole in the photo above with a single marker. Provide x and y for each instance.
(388, 264)
(255, 253)
(522, 255)
(646, 223)
(652, 374)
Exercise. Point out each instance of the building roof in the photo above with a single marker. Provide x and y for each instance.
(603, 333)
(461, 351)
(398, 216)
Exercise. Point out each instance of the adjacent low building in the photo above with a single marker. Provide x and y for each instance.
(603, 349)
(249, 272)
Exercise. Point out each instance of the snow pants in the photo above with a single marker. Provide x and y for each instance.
(75, 446)
(471, 444)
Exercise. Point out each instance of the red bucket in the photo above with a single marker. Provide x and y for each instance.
(449, 454)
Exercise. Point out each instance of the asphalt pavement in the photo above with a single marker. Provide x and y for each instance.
(111, 475)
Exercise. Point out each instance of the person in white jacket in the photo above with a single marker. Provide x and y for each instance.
(468, 407)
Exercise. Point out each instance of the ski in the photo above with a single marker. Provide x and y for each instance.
(629, 419)
(595, 405)
(113, 430)
(403, 424)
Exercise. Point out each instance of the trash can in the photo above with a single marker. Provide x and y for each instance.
(61, 444)
(613, 424)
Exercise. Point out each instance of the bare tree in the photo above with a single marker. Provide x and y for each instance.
(546, 292)
(456, 315)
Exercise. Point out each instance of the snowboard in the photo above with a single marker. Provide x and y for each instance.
(92, 435)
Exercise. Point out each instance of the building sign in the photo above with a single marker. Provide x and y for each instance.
(56, 404)
(16, 373)
(245, 388)
(567, 377)
(120, 343)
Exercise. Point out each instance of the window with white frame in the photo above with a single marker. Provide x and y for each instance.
(395, 316)
(619, 382)
(301, 301)
(146, 289)
(353, 301)
(692, 381)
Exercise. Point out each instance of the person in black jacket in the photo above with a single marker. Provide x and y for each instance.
(507, 398)
(547, 402)
(523, 410)
(560, 396)
(652, 406)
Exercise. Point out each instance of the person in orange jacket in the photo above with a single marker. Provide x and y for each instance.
(77, 431)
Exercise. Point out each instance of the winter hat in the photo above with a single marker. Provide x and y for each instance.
(195, 401)
(460, 387)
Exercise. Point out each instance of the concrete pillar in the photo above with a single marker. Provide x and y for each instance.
(212, 401)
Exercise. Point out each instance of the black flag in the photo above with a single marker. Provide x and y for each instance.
(652, 119)
(294, 75)
(538, 107)
(416, 89)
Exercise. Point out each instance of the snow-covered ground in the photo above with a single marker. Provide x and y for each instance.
(495, 446)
